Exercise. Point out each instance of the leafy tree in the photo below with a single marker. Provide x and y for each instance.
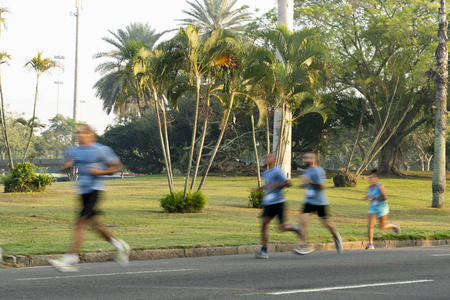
(295, 76)
(117, 81)
(216, 14)
(136, 143)
(40, 65)
(56, 138)
(384, 51)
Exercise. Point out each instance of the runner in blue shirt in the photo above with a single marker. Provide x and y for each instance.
(315, 202)
(273, 199)
(378, 208)
(92, 160)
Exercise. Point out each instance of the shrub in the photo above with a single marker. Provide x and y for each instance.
(23, 178)
(195, 202)
(255, 199)
(344, 179)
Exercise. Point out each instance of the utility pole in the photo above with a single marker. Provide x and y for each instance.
(285, 17)
(79, 6)
(59, 82)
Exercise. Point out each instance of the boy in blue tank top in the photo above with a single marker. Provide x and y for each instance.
(378, 207)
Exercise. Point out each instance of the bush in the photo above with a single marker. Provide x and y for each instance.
(344, 179)
(195, 202)
(255, 199)
(23, 178)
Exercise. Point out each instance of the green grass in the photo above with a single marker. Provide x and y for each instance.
(42, 223)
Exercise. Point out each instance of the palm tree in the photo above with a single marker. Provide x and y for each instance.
(3, 60)
(114, 74)
(153, 73)
(201, 54)
(243, 70)
(4, 57)
(441, 111)
(296, 76)
(40, 66)
(216, 14)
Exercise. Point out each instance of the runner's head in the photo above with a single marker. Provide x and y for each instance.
(85, 135)
(373, 176)
(310, 159)
(270, 160)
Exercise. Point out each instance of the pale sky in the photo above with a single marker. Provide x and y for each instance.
(47, 25)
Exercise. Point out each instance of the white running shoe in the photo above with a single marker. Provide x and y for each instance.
(338, 243)
(303, 250)
(123, 254)
(65, 264)
(260, 253)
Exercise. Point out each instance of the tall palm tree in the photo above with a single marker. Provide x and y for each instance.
(216, 14)
(441, 111)
(244, 69)
(114, 77)
(201, 54)
(4, 57)
(153, 73)
(296, 76)
(40, 65)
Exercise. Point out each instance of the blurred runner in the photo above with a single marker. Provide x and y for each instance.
(316, 201)
(92, 160)
(273, 203)
(378, 208)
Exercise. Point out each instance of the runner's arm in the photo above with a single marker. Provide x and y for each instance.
(113, 167)
(383, 193)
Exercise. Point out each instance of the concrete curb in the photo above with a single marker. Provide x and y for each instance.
(42, 260)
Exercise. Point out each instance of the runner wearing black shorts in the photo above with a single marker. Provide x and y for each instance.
(273, 202)
(315, 202)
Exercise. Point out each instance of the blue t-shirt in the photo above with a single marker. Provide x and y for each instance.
(273, 196)
(93, 156)
(313, 195)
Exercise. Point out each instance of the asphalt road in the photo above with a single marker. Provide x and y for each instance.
(404, 273)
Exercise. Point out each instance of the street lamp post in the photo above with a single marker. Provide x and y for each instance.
(79, 6)
(59, 82)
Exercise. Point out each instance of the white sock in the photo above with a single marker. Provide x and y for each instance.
(70, 258)
(116, 244)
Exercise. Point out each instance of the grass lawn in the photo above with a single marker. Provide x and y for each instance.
(42, 223)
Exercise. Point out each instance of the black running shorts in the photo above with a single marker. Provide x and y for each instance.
(320, 209)
(274, 210)
(89, 202)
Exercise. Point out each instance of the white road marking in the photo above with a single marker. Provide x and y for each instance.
(441, 255)
(348, 287)
(107, 274)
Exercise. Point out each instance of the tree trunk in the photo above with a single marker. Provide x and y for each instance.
(387, 158)
(267, 136)
(285, 17)
(440, 122)
(194, 134)
(356, 142)
(202, 142)
(4, 128)
(32, 120)
(256, 149)
(163, 144)
(219, 140)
